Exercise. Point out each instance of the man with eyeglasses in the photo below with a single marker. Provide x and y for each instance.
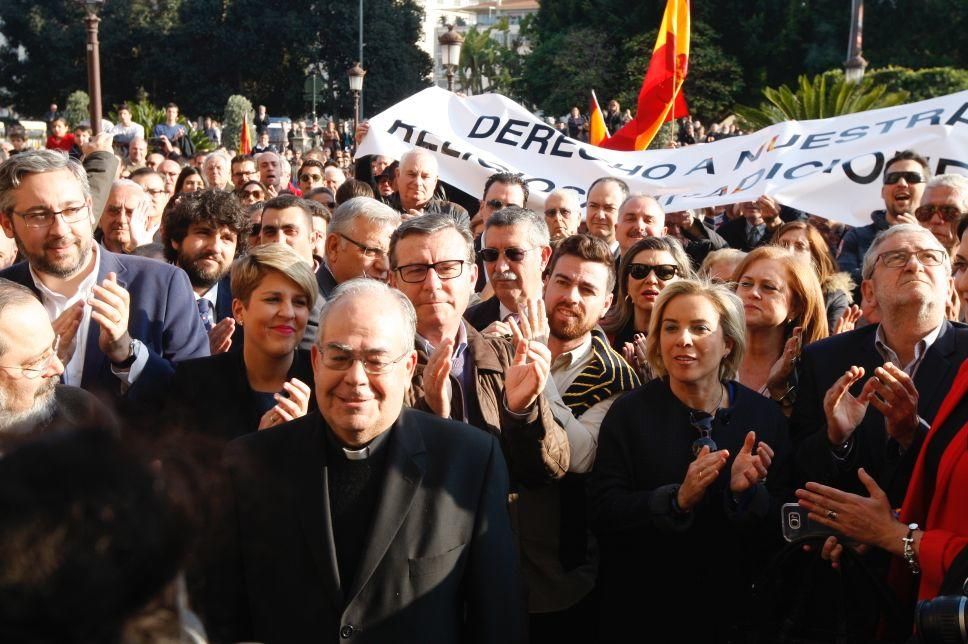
(867, 397)
(154, 185)
(243, 170)
(501, 189)
(357, 239)
(904, 177)
(121, 320)
(562, 213)
(405, 512)
(31, 399)
(310, 176)
(487, 382)
(515, 253)
(944, 205)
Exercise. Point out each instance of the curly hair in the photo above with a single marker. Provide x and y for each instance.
(214, 207)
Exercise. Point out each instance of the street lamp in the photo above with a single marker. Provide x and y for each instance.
(855, 64)
(91, 7)
(356, 74)
(450, 44)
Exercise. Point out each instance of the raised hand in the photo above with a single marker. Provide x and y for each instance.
(750, 468)
(847, 320)
(526, 377)
(701, 474)
(220, 336)
(286, 409)
(843, 411)
(436, 379)
(896, 397)
(109, 308)
(142, 232)
(781, 370)
(534, 320)
(66, 326)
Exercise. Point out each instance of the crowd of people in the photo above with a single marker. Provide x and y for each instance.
(283, 398)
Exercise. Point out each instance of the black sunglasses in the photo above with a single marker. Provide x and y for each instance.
(513, 254)
(703, 423)
(948, 213)
(910, 177)
(662, 271)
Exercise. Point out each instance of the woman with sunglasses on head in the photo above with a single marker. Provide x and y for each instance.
(808, 245)
(679, 495)
(784, 309)
(270, 381)
(648, 266)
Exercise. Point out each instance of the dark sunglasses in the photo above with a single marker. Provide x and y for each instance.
(662, 271)
(258, 194)
(703, 423)
(910, 177)
(513, 254)
(310, 177)
(948, 213)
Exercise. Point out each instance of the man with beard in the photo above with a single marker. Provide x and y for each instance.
(121, 320)
(203, 233)
(515, 252)
(115, 225)
(559, 557)
(30, 397)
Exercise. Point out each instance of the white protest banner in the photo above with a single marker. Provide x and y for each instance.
(831, 167)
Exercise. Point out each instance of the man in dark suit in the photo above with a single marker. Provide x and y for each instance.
(754, 227)
(901, 367)
(121, 320)
(202, 235)
(401, 530)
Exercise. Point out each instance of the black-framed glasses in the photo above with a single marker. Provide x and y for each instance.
(900, 258)
(909, 177)
(554, 212)
(39, 368)
(948, 213)
(513, 254)
(702, 422)
(368, 251)
(340, 358)
(663, 272)
(43, 218)
(447, 269)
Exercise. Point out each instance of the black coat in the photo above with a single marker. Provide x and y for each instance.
(483, 314)
(439, 564)
(690, 572)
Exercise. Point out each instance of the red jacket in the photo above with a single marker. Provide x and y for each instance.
(944, 516)
(65, 143)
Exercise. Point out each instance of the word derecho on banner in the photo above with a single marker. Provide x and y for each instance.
(831, 166)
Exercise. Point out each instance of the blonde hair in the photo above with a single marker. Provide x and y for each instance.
(249, 271)
(807, 295)
(731, 320)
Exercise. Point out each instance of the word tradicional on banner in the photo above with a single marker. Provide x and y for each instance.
(830, 167)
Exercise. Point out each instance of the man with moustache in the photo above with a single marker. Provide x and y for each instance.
(203, 233)
(502, 189)
(943, 205)
(559, 556)
(31, 399)
(515, 252)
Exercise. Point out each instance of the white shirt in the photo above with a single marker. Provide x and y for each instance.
(920, 350)
(582, 432)
(56, 304)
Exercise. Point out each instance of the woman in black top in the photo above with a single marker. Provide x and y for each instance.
(270, 381)
(679, 497)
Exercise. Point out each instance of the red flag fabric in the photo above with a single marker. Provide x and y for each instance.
(245, 142)
(597, 130)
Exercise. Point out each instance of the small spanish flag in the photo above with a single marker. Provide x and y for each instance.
(660, 98)
(245, 140)
(597, 130)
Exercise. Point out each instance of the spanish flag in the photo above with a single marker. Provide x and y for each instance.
(597, 131)
(245, 142)
(660, 98)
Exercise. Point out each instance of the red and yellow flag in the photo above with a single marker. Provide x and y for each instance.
(597, 130)
(660, 98)
(245, 142)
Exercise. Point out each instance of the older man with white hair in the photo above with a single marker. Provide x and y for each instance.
(944, 204)
(416, 181)
(127, 202)
(562, 213)
(215, 168)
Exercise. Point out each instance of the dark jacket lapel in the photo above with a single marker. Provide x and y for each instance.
(406, 464)
(309, 471)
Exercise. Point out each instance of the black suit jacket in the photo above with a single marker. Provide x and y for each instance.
(481, 315)
(439, 565)
(822, 364)
(212, 395)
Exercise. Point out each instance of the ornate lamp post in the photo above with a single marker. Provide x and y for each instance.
(356, 74)
(450, 44)
(855, 64)
(91, 7)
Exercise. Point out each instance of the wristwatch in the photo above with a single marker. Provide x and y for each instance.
(132, 356)
(909, 557)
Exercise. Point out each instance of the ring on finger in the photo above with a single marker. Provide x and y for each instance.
(831, 515)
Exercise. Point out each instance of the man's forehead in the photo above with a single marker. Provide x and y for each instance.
(443, 242)
(507, 190)
(643, 206)
(282, 216)
(125, 192)
(59, 183)
(506, 235)
(607, 190)
(905, 165)
(911, 242)
(578, 269)
(936, 195)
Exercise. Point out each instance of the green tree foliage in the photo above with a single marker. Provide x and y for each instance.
(921, 84)
(818, 98)
(78, 108)
(199, 52)
(237, 109)
(491, 59)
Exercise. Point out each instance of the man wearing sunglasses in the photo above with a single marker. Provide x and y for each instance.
(501, 189)
(516, 251)
(904, 177)
(943, 206)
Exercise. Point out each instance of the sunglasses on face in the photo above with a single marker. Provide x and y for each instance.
(663, 272)
(703, 423)
(513, 254)
(948, 213)
(909, 177)
(310, 177)
(255, 194)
